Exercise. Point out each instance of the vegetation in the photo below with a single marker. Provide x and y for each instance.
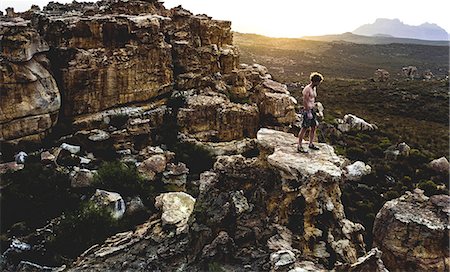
(34, 195)
(82, 228)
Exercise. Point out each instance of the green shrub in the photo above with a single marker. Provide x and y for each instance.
(389, 195)
(429, 187)
(417, 157)
(356, 153)
(119, 177)
(79, 230)
(34, 195)
(384, 143)
(119, 120)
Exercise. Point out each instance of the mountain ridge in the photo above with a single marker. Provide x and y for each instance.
(396, 28)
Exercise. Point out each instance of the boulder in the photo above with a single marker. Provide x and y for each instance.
(282, 258)
(356, 171)
(73, 149)
(393, 152)
(352, 122)
(370, 262)
(134, 206)
(176, 207)
(440, 165)
(10, 167)
(175, 174)
(154, 165)
(80, 178)
(20, 157)
(47, 158)
(110, 200)
(412, 232)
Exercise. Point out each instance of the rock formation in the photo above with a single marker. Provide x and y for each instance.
(30, 99)
(381, 75)
(117, 63)
(413, 232)
(280, 211)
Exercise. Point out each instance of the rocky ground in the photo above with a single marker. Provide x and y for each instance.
(146, 145)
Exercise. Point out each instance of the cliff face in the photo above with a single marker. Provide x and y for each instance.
(126, 58)
(29, 97)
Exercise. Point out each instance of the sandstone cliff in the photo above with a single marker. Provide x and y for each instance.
(29, 97)
(114, 58)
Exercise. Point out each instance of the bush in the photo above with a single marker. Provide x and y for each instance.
(34, 195)
(119, 177)
(118, 120)
(79, 230)
(417, 157)
(356, 153)
(429, 187)
(196, 158)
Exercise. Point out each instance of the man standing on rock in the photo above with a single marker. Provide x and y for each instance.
(309, 114)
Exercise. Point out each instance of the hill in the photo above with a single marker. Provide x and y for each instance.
(375, 39)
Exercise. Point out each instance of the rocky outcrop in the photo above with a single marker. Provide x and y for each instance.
(314, 179)
(117, 63)
(413, 232)
(29, 97)
(278, 211)
(381, 75)
(410, 72)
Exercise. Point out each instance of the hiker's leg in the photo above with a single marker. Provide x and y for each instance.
(301, 135)
(312, 133)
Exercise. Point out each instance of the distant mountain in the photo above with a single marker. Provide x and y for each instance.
(375, 39)
(396, 28)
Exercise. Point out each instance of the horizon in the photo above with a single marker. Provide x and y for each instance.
(283, 20)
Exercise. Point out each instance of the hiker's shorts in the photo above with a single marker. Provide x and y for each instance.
(310, 122)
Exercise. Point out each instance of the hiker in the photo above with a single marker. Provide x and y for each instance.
(309, 112)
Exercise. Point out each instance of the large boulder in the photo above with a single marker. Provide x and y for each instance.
(176, 207)
(111, 201)
(440, 165)
(353, 122)
(413, 232)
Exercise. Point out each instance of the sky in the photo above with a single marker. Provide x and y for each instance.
(297, 18)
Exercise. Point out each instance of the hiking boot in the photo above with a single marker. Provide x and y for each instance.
(311, 146)
(301, 150)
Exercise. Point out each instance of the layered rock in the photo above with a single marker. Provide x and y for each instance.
(29, 97)
(107, 60)
(413, 232)
(215, 118)
(313, 180)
